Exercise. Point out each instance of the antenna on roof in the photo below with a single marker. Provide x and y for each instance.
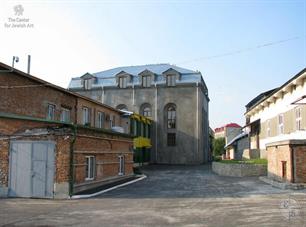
(15, 59)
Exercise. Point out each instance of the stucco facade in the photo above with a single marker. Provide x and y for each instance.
(187, 95)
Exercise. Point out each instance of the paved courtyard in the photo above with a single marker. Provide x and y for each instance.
(171, 195)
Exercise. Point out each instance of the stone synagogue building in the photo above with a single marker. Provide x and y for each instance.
(176, 99)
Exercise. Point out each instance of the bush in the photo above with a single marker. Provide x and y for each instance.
(218, 146)
(247, 161)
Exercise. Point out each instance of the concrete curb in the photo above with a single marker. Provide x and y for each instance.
(283, 185)
(109, 189)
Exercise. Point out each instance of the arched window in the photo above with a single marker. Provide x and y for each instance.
(121, 107)
(146, 110)
(171, 116)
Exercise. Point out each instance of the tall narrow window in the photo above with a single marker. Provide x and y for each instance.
(100, 120)
(281, 124)
(65, 115)
(122, 82)
(268, 128)
(171, 80)
(90, 167)
(146, 81)
(85, 111)
(298, 118)
(112, 122)
(51, 112)
(171, 117)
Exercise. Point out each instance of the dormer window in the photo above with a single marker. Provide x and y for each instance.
(123, 78)
(87, 81)
(171, 79)
(122, 81)
(146, 81)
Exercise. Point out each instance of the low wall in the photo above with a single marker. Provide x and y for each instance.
(239, 170)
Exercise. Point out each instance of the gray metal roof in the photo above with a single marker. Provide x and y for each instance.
(107, 77)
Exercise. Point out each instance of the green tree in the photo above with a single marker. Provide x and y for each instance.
(218, 146)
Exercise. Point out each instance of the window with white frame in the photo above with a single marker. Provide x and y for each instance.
(146, 81)
(122, 81)
(85, 111)
(51, 112)
(298, 118)
(268, 128)
(87, 84)
(65, 115)
(171, 80)
(90, 167)
(281, 124)
(100, 120)
(112, 121)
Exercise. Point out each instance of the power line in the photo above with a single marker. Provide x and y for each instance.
(242, 50)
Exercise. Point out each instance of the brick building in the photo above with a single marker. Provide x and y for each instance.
(55, 143)
(228, 131)
(276, 122)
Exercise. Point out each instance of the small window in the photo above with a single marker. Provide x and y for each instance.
(122, 82)
(171, 80)
(90, 167)
(51, 112)
(146, 81)
(171, 117)
(100, 120)
(171, 139)
(86, 116)
(281, 124)
(298, 119)
(65, 115)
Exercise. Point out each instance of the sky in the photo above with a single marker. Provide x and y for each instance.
(242, 48)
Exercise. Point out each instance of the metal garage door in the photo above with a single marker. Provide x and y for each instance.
(31, 169)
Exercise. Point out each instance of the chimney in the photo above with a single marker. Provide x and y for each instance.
(29, 63)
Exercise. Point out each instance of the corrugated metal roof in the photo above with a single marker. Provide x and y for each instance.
(107, 77)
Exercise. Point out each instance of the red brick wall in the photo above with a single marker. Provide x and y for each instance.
(94, 109)
(4, 160)
(106, 151)
(300, 164)
(32, 101)
(277, 154)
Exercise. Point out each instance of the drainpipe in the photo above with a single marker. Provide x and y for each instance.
(74, 129)
(71, 169)
(292, 164)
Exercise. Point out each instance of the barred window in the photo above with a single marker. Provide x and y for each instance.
(171, 139)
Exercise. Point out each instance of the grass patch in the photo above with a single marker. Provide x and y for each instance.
(247, 161)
